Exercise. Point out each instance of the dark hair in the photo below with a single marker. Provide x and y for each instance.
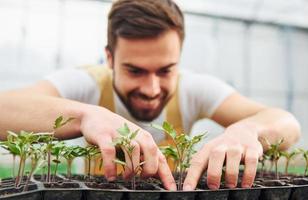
(143, 19)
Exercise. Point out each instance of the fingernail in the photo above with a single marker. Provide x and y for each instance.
(246, 186)
(213, 186)
(172, 187)
(187, 188)
(230, 185)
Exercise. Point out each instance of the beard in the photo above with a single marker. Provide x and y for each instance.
(144, 113)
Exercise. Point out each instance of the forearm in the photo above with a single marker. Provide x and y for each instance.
(274, 124)
(31, 112)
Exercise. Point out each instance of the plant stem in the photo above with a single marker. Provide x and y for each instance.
(29, 177)
(89, 167)
(287, 167)
(276, 169)
(180, 179)
(17, 180)
(49, 166)
(69, 169)
(55, 172)
(133, 170)
(14, 164)
(306, 169)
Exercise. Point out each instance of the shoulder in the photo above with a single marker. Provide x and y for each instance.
(203, 91)
(200, 81)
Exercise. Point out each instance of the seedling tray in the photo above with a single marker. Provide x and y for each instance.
(297, 189)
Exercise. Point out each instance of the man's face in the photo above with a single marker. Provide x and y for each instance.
(145, 73)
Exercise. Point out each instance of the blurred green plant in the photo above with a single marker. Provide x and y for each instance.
(182, 150)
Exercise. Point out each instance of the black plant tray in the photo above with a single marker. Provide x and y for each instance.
(295, 189)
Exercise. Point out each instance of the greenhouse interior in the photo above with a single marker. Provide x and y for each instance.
(257, 48)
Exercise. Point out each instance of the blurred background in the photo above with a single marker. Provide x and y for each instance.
(259, 47)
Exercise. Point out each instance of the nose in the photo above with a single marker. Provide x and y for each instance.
(151, 86)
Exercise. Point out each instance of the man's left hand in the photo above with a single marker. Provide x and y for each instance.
(238, 143)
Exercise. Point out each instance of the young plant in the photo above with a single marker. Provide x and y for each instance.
(305, 155)
(289, 156)
(49, 143)
(262, 160)
(57, 151)
(170, 152)
(70, 153)
(90, 152)
(182, 151)
(275, 153)
(36, 156)
(20, 144)
(124, 141)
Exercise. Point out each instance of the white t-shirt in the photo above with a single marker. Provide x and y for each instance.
(199, 95)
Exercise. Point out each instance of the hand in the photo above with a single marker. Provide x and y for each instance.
(238, 143)
(99, 126)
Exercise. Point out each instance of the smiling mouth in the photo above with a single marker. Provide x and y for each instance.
(145, 104)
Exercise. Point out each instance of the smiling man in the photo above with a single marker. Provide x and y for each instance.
(141, 84)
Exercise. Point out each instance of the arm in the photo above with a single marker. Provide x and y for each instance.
(246, 122)
(35, 108)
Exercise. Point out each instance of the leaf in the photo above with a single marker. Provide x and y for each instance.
(58, 122)
(169, 129)
(12, 133)
(134, 134)
(119, 162)
(124, 131)
(56, 161)
(158, 127)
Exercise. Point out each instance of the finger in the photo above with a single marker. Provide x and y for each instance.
(233, 159)
(132, 160)
(108, 154)
(216, 161)
(198, 165)
(251, 164)
(165, 173)
(150, 153)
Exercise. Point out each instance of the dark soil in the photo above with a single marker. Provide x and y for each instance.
(61, 185)
(107, 186)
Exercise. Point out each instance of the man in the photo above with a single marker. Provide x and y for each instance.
(144, 85)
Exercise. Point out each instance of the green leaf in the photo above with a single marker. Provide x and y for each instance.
(56, 161)
(133, 135)
(58, 122)
(124, 131)
(158, 127)
(169, 129)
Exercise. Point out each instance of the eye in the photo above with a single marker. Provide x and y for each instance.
(135, 71)
(164, 72)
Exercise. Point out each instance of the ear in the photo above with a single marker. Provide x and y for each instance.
(109, 57)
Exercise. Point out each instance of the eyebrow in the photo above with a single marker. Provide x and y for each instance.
(132, 66)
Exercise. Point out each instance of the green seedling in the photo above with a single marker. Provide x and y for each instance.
(289, 156)
(49, 142)
(36, 156)
(262, 160)
(70, 153)
(90, 152)
(20, 144)
(274, 152)
(57, 151)
(305, 155)
(124, 141)
(182, 151)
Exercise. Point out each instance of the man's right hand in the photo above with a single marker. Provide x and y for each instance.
(99, 126)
